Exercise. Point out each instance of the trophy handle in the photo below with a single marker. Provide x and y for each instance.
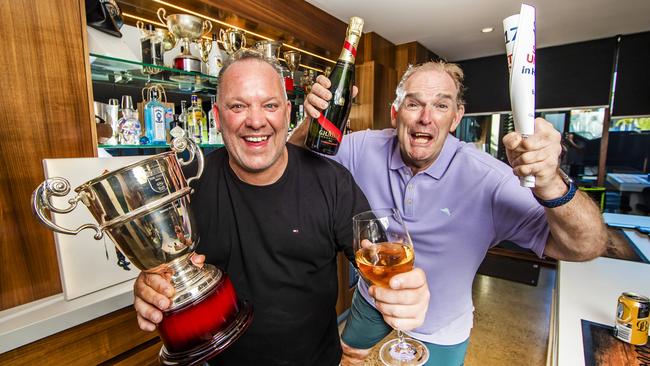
(140, 25)
(243, 40)
(206, 47)
(207, 26)
(59, 187)
(223, 37)
(162, 15)
(172, 41)
(181, 144)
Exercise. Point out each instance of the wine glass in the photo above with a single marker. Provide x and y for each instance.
(383, 248)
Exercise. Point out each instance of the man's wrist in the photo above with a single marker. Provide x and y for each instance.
(559, 199)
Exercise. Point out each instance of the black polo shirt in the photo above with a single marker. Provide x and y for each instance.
(278, 243)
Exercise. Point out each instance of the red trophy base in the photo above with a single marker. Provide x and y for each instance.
(187, 63)
(204, 327)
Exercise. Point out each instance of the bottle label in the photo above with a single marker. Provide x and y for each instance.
(348, 46)
(158, 114)
(330, 127)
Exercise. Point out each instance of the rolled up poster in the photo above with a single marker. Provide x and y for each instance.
(519, 32)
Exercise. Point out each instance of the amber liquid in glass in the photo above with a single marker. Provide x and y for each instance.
(380, 262)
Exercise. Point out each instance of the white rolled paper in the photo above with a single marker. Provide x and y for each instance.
(519, 32)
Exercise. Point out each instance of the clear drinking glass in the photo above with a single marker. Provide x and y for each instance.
(383, 248)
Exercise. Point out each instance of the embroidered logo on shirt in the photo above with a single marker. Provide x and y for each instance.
(445, 211)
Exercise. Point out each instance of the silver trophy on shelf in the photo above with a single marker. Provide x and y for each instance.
(188, 29)
(145, 209)
(270, 49)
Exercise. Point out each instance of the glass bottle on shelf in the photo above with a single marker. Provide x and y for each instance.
(182, 118)
(152, 50)
(215, 60)
(154, 120)
(195, 116)
(175, 128)
(205, 135)
(213, 133)
(129, 126)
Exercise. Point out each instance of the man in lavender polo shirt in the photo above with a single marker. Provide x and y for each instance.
(457, 203)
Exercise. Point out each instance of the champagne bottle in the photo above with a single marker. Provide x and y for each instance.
(325, 132)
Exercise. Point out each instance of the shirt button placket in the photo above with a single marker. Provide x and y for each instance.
(409, 198)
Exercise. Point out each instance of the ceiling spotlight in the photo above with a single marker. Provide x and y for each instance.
(487, 30)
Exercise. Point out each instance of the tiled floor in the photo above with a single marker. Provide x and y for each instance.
(511, 322)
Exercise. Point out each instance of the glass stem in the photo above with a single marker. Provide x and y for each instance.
(400, 340)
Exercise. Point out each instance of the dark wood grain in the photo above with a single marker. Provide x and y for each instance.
(101, 340)
(45, 114)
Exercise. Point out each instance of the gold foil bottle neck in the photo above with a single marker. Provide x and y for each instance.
(352, 37)
(355, 26)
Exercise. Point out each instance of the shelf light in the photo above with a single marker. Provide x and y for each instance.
(245, 31)
(127, 15)
(487, 30)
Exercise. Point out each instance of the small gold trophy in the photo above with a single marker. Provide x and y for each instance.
(292, 58)
(233, 40)
(270, 49)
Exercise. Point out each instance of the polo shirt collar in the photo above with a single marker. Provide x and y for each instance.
(438, 168)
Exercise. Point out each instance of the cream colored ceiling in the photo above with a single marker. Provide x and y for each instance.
(452, 28)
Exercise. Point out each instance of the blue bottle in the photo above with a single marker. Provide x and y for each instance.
(154, 120)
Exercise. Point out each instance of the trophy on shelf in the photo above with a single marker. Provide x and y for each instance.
(292, 59)
(328, 71)
(145, 209)
(154, 42)
(307, 80)
(186, 28)
(270, 49)
(233, 40)
(205, 46)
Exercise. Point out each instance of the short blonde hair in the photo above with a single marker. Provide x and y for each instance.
(453, 70)
(249, 54)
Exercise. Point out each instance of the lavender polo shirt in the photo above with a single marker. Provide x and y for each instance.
(463, 204)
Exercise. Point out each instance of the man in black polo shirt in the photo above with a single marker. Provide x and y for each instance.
(274, 217)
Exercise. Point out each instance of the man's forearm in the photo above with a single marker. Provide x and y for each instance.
(577, 230)
(299, 134)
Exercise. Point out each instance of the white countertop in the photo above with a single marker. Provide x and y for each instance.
(589, 291)
(30, 322)
(629, 182)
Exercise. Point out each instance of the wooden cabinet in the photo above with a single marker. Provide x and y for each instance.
(113, 339)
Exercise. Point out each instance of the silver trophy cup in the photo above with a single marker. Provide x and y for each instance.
(145, 209)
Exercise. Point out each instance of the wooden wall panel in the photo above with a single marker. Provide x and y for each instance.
(409, 54)
(297, 18)
(376, 48)
(361, 115)
(376, 84)
(112, 339)
(45, 114)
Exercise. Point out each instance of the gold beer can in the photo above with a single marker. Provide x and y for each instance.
(632, 316)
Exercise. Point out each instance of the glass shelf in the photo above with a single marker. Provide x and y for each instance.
(126, 72)
(162, 146)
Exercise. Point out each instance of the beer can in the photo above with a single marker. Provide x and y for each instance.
(632, 316)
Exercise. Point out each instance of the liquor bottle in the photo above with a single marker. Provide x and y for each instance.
(175, 128)
(213, 133)
(154, 120)
(205, 135)
(326, 131)
(182, 118)
(215, 60)
(194, 117)
(129, 126)
(152, 50)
